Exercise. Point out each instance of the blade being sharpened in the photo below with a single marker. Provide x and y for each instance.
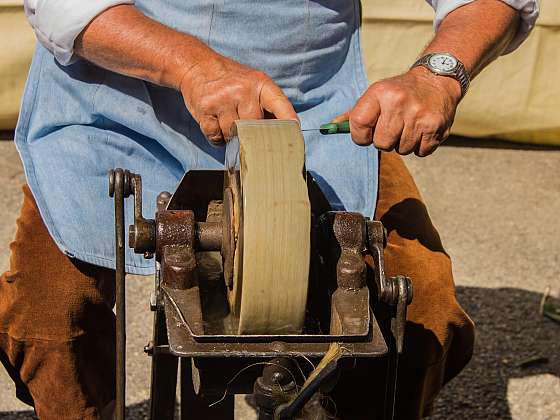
(332, 128)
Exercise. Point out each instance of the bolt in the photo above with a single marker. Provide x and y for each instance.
(127, 188)
(162, 200)
(125, 180)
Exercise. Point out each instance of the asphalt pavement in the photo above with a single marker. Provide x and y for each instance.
(497, 208)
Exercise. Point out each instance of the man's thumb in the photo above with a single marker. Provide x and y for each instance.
(341, 118)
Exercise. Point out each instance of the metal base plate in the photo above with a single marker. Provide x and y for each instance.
(183, 344)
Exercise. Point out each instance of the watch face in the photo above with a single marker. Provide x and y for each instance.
(443, 62)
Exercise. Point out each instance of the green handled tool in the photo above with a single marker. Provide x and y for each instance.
(333, 128)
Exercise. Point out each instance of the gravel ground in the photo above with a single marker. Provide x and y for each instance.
(497, 211)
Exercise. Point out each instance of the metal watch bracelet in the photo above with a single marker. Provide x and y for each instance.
(459, 73)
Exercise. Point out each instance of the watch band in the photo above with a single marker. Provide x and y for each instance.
(459, 73)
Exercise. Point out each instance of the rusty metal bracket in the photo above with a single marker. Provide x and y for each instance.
(396, 292)
(403, 285)
(141, 234)
(403, 291)
(345, 237)
(376, 242)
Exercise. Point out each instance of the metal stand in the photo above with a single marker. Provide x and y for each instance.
(164, 370)
(195, 406)
(179, 231)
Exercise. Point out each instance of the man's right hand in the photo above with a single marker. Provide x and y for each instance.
(219, 91)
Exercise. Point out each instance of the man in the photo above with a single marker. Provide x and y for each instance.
(146, 85)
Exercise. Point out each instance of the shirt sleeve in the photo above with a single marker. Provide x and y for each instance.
(57, 23)
(528, 11)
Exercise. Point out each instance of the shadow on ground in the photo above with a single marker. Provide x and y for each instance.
(509, 332)
(136, 411)
(487, 143)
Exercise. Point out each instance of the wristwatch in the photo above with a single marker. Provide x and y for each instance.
(446, 64)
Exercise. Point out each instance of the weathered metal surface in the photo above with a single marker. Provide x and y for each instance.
(178, 267)
(345, 241)
(197, 320)
(348, 311)
(377, 239)
(119, 189)
(351, 271)
(187, 298)
(404, 298)
(142, 234)
(348, 230)
(184, 344)
(174, 228)
(174, 298)
(208, 236)
(277, 385)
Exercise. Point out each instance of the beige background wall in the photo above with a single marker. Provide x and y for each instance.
(518, 99)
(16, 47)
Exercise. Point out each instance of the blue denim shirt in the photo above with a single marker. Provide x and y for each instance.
(79, 121)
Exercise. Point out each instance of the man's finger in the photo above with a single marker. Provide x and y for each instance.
(410, 139)
(363, 118)
(388, 132)
(273, 100)
(210, 127)
(227, 124)
(341, 118)
(427, 145)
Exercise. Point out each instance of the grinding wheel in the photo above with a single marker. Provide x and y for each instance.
(267, 227)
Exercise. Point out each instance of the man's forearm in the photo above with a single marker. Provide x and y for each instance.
(124, 40)
(476, 33)
(217, 90)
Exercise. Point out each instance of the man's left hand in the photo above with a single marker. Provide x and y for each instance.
(409, 113)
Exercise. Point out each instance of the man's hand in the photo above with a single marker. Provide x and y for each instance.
(219, 91)
(414, 112)
(409, 113)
